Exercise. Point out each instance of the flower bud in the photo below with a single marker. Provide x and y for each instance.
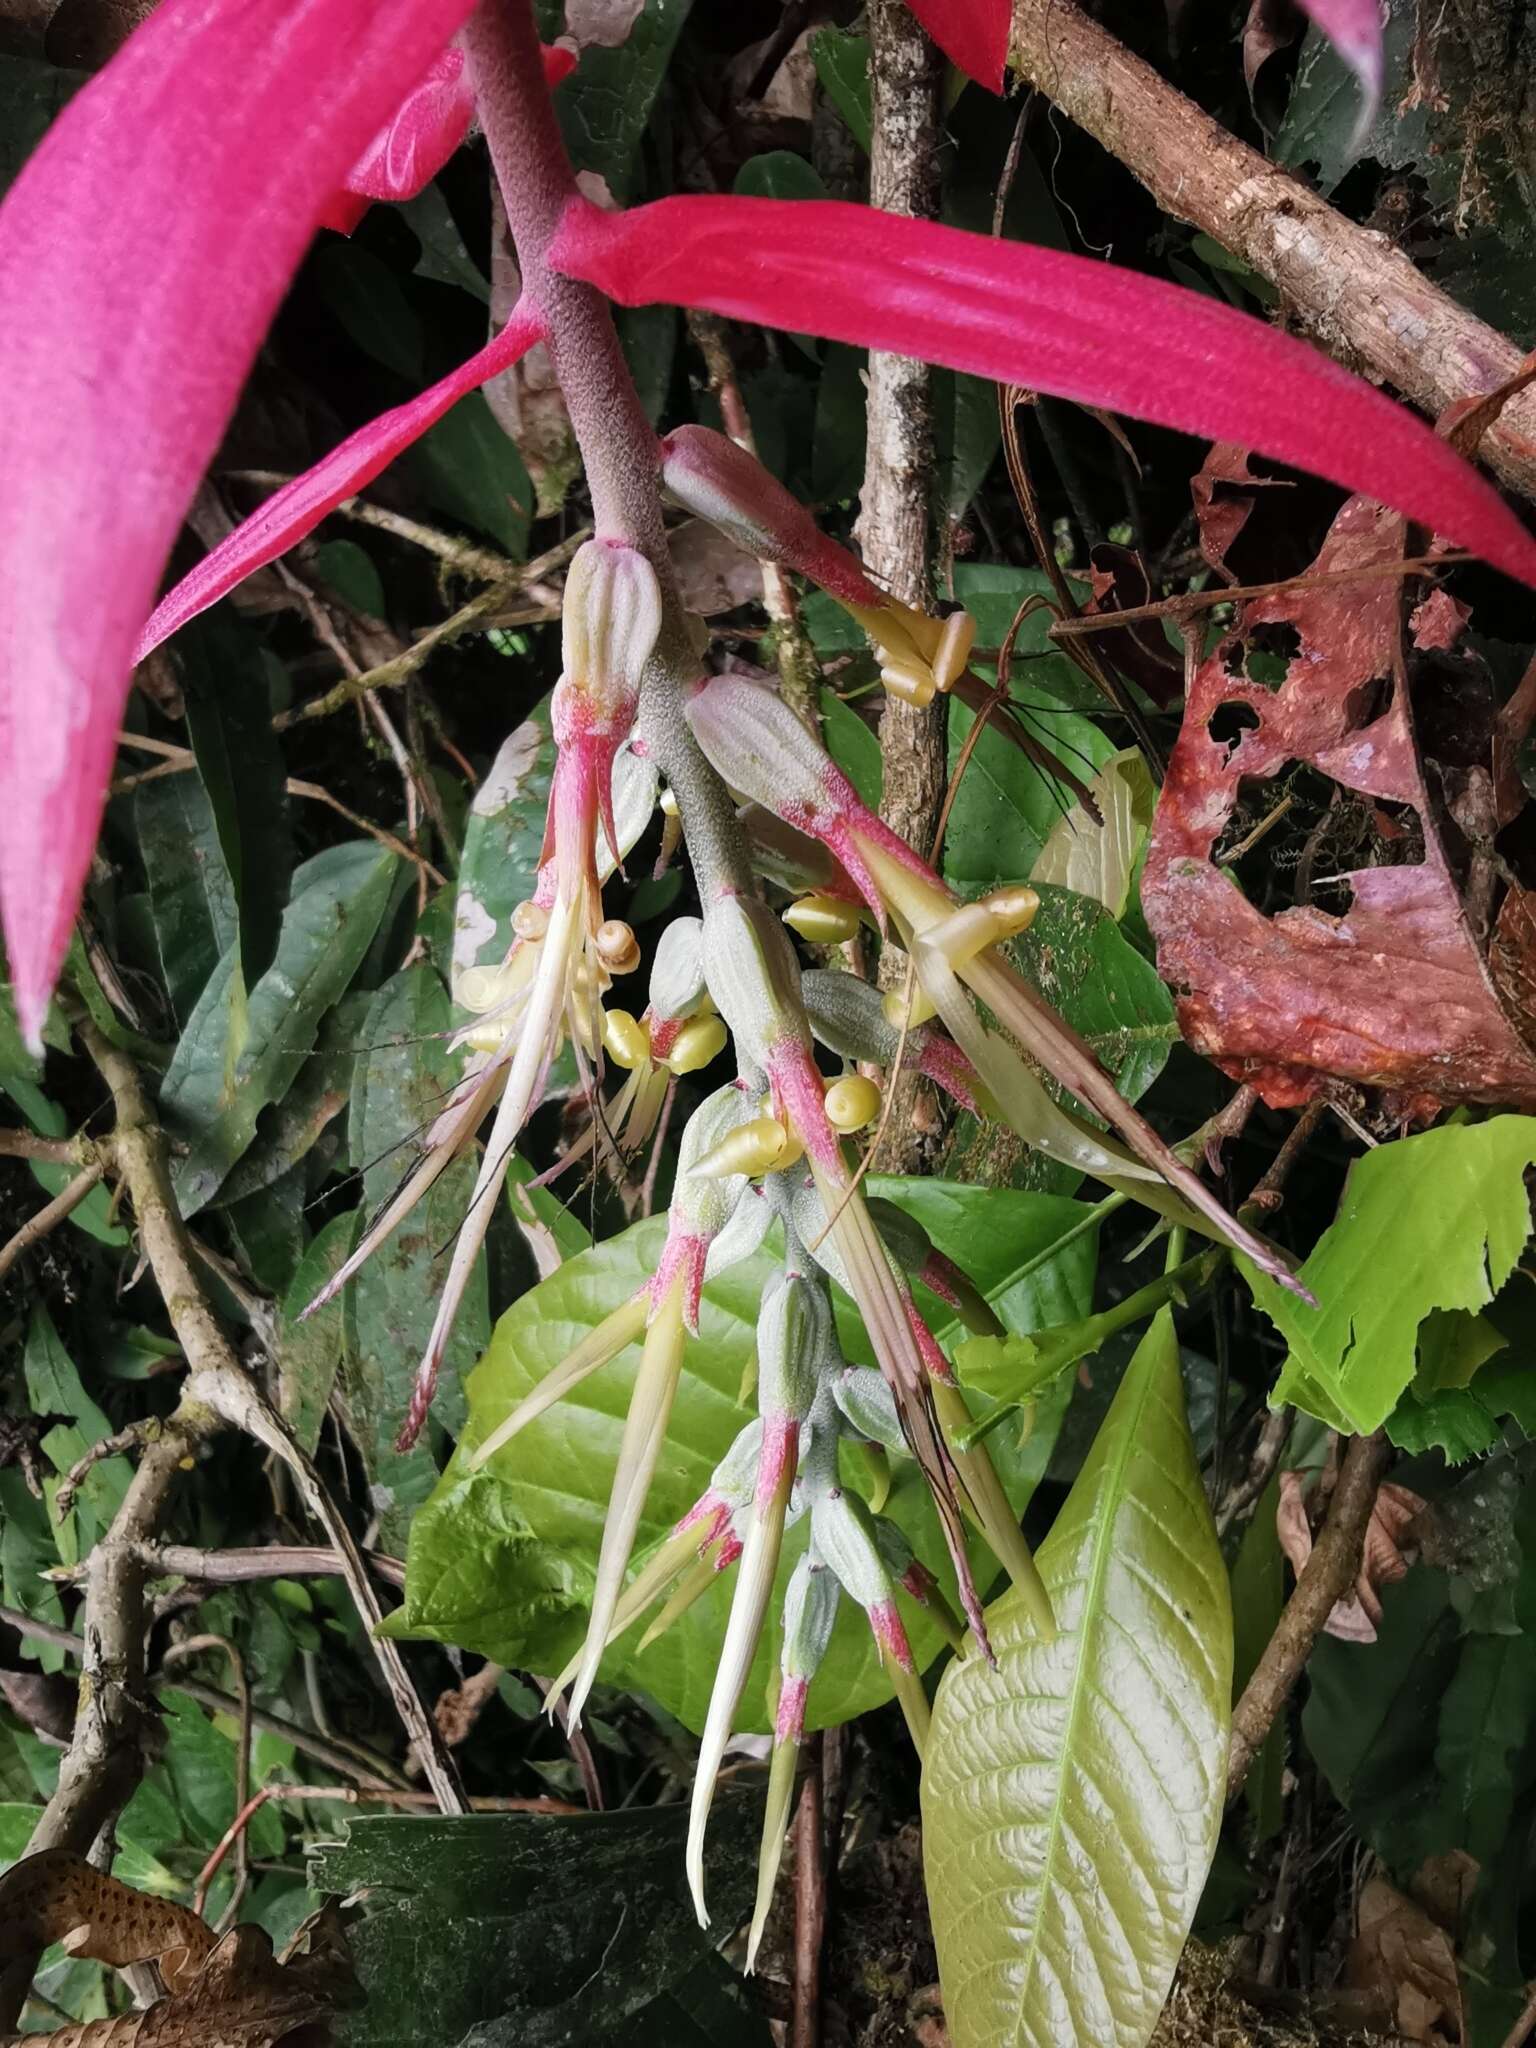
(810, 1610)
(616, 946)
(846, 1014)
(823, 920)
(677, 971)
(721, 482)
(842, 1532)
(758, 744)
(762, 1146)
(704, 1202)
(625, 1040)
(853, 1103)
(530, 921)
(912, 1009)
(868, 1403)
(784, 855)
(905, 1238)
(753, 976)
(748, 1226)
(610, 618)
(988, 922)
(700, 1040)
(793, 1325)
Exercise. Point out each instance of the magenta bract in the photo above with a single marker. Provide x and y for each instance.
(971, 33)
(183, 182)
(297, 509)
(1067, 325)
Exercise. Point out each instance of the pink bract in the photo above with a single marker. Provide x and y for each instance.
(1052, 322)
(297, 509)
(199, 158)
(971, 33)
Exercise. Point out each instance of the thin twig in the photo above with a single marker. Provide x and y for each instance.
(1520, 2033)
(458, 554)
(50, 1216)
(55, 1151)
(810, 1906)
(1267, 1453)
(1328, 1574)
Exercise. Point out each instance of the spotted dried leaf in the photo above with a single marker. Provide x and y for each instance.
(1392, 989)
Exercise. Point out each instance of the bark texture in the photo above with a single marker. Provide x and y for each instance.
(895, 526)
(1348, 286)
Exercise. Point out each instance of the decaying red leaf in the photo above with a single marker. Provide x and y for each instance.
(1390, 986)
(229, 1993)
(1382, 1560)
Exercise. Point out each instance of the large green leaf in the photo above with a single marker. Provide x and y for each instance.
(211, 1104)
(229, 722)
(1431, 1222)
(402, 1077)
(309, 1352)
(1072, 1796)
(502, 1560)
(565, 1931)
(1005, 809)
(1099, 859)
(191, 897)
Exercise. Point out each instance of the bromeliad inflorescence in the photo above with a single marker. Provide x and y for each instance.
(105, 438)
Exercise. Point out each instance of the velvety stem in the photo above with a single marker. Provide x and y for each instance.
(618, 446)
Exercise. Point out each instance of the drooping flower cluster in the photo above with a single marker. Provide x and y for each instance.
(108, 428)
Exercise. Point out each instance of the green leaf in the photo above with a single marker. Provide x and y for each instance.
(853, 745)
(54, 1387)
(502, 839)
(401, 1079)
(288, 1130)
(467, 467)
(842, 65)
(443, 257)
(510, 1932)
(502, 1561)
(229, 722)
(364, 296)
(349, 570)
(1072, 1796)
(605, 106)
(191, 897)
(1431, 1222)
(778, 174)
(1005, 809)
(1091, 974)
(1098, 860)
(309, 1352)
(338, 900)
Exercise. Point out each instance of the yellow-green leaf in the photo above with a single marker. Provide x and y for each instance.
(1072, 1795)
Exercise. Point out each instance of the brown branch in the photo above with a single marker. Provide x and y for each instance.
(351, 1759)
(55, 1151)
(895, 524)
(50, 1216)
(810, 1906)
(1521, 2032)
(1358, 295)
(1328, 1574)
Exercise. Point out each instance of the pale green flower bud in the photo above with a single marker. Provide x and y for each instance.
(610, 617)
(753, 976)
(677, 972)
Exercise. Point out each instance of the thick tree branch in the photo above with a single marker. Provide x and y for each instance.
(1327, 1576)
(895, 526)
(1363, 299)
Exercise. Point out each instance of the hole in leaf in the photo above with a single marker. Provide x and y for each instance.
(1228, 722)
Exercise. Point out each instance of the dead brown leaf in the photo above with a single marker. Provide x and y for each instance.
(1407, 1963)
(1389, 987)
(1383, 1559)
(229, 1993)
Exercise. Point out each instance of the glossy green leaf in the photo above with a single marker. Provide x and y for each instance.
(288, 1131)
(502, 839)
(1005, 809)
(212, 1107)
(502, 1561)
(1431, 1222)
(1072, 1796)
(443, 258)
(1080, 961)
(399, 1086)
(561, 1931)
(191, 896)
(229, 722)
